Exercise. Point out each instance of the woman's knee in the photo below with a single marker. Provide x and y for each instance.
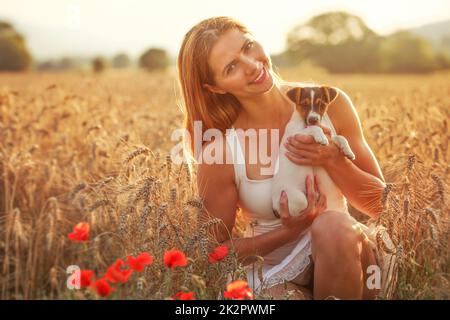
(335, 232)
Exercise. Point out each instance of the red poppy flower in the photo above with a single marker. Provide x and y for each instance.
(183, 296)
(138, 263)
(175, 258)
(102, 287)
(85, 278)
(115, 274)
(239, 290)
(218, 254)
(80, 232)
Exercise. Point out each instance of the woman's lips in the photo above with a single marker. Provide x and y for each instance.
(261, 78)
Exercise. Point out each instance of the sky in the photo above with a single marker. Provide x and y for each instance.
(57, 27)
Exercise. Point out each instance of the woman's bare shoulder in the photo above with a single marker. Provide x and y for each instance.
(336, 110)
(216, 160)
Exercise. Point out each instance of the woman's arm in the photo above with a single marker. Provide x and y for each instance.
(361, 181)
(219, 194)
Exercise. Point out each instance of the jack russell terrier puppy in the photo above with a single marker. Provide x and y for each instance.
(311, 105)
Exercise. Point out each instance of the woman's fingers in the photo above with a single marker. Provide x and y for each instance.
(298, 160)
(322, 199)
(301, 138)
(322, 205)
(294, 144)
(284, 206)
(301, 153)
(316, 201)
(316, 184)
(310, 194)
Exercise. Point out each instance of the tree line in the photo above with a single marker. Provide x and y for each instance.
(337, 41)
(15, 56)
(343, 43)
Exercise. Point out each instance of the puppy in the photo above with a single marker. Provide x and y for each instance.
(312, 103)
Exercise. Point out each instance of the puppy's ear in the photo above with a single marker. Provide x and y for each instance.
(329, 93)
(295, 95)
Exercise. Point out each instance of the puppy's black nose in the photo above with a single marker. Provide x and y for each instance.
(313, 120)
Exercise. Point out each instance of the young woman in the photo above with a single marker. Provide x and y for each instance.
(227, 82)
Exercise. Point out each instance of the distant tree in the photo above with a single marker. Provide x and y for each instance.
(66, 63)
(330, 28)
(442, 61)
(121, 60)
(99, 64)
(342, 42)
(154, 59)
(14, 55)
(445, 43)
(339, 41)
(281, 59)
(404, 52)
(61, 64)
(46, 65)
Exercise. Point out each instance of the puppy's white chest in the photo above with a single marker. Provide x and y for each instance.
(295, 125)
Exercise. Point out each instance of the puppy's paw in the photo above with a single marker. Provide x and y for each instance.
(349, 154)
(343, 145)
(321, 139)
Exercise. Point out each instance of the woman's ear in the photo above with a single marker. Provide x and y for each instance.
(213, 89)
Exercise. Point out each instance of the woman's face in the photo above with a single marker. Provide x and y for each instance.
(236, 60)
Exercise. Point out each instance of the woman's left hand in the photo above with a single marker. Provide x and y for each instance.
(303, 150)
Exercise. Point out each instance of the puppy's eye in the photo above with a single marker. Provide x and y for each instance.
(318, 101)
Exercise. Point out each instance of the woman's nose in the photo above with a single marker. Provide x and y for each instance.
(252, 64)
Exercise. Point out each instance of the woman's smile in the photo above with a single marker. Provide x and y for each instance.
(261, 77)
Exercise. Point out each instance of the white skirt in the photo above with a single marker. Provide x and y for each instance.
(263, 276)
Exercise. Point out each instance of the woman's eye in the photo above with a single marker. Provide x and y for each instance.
(230, 68)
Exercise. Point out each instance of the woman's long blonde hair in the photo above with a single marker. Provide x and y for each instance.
(198, 103)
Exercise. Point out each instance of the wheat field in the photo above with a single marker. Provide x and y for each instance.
(95, 148)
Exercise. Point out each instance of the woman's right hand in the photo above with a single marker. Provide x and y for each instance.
(317, 203)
